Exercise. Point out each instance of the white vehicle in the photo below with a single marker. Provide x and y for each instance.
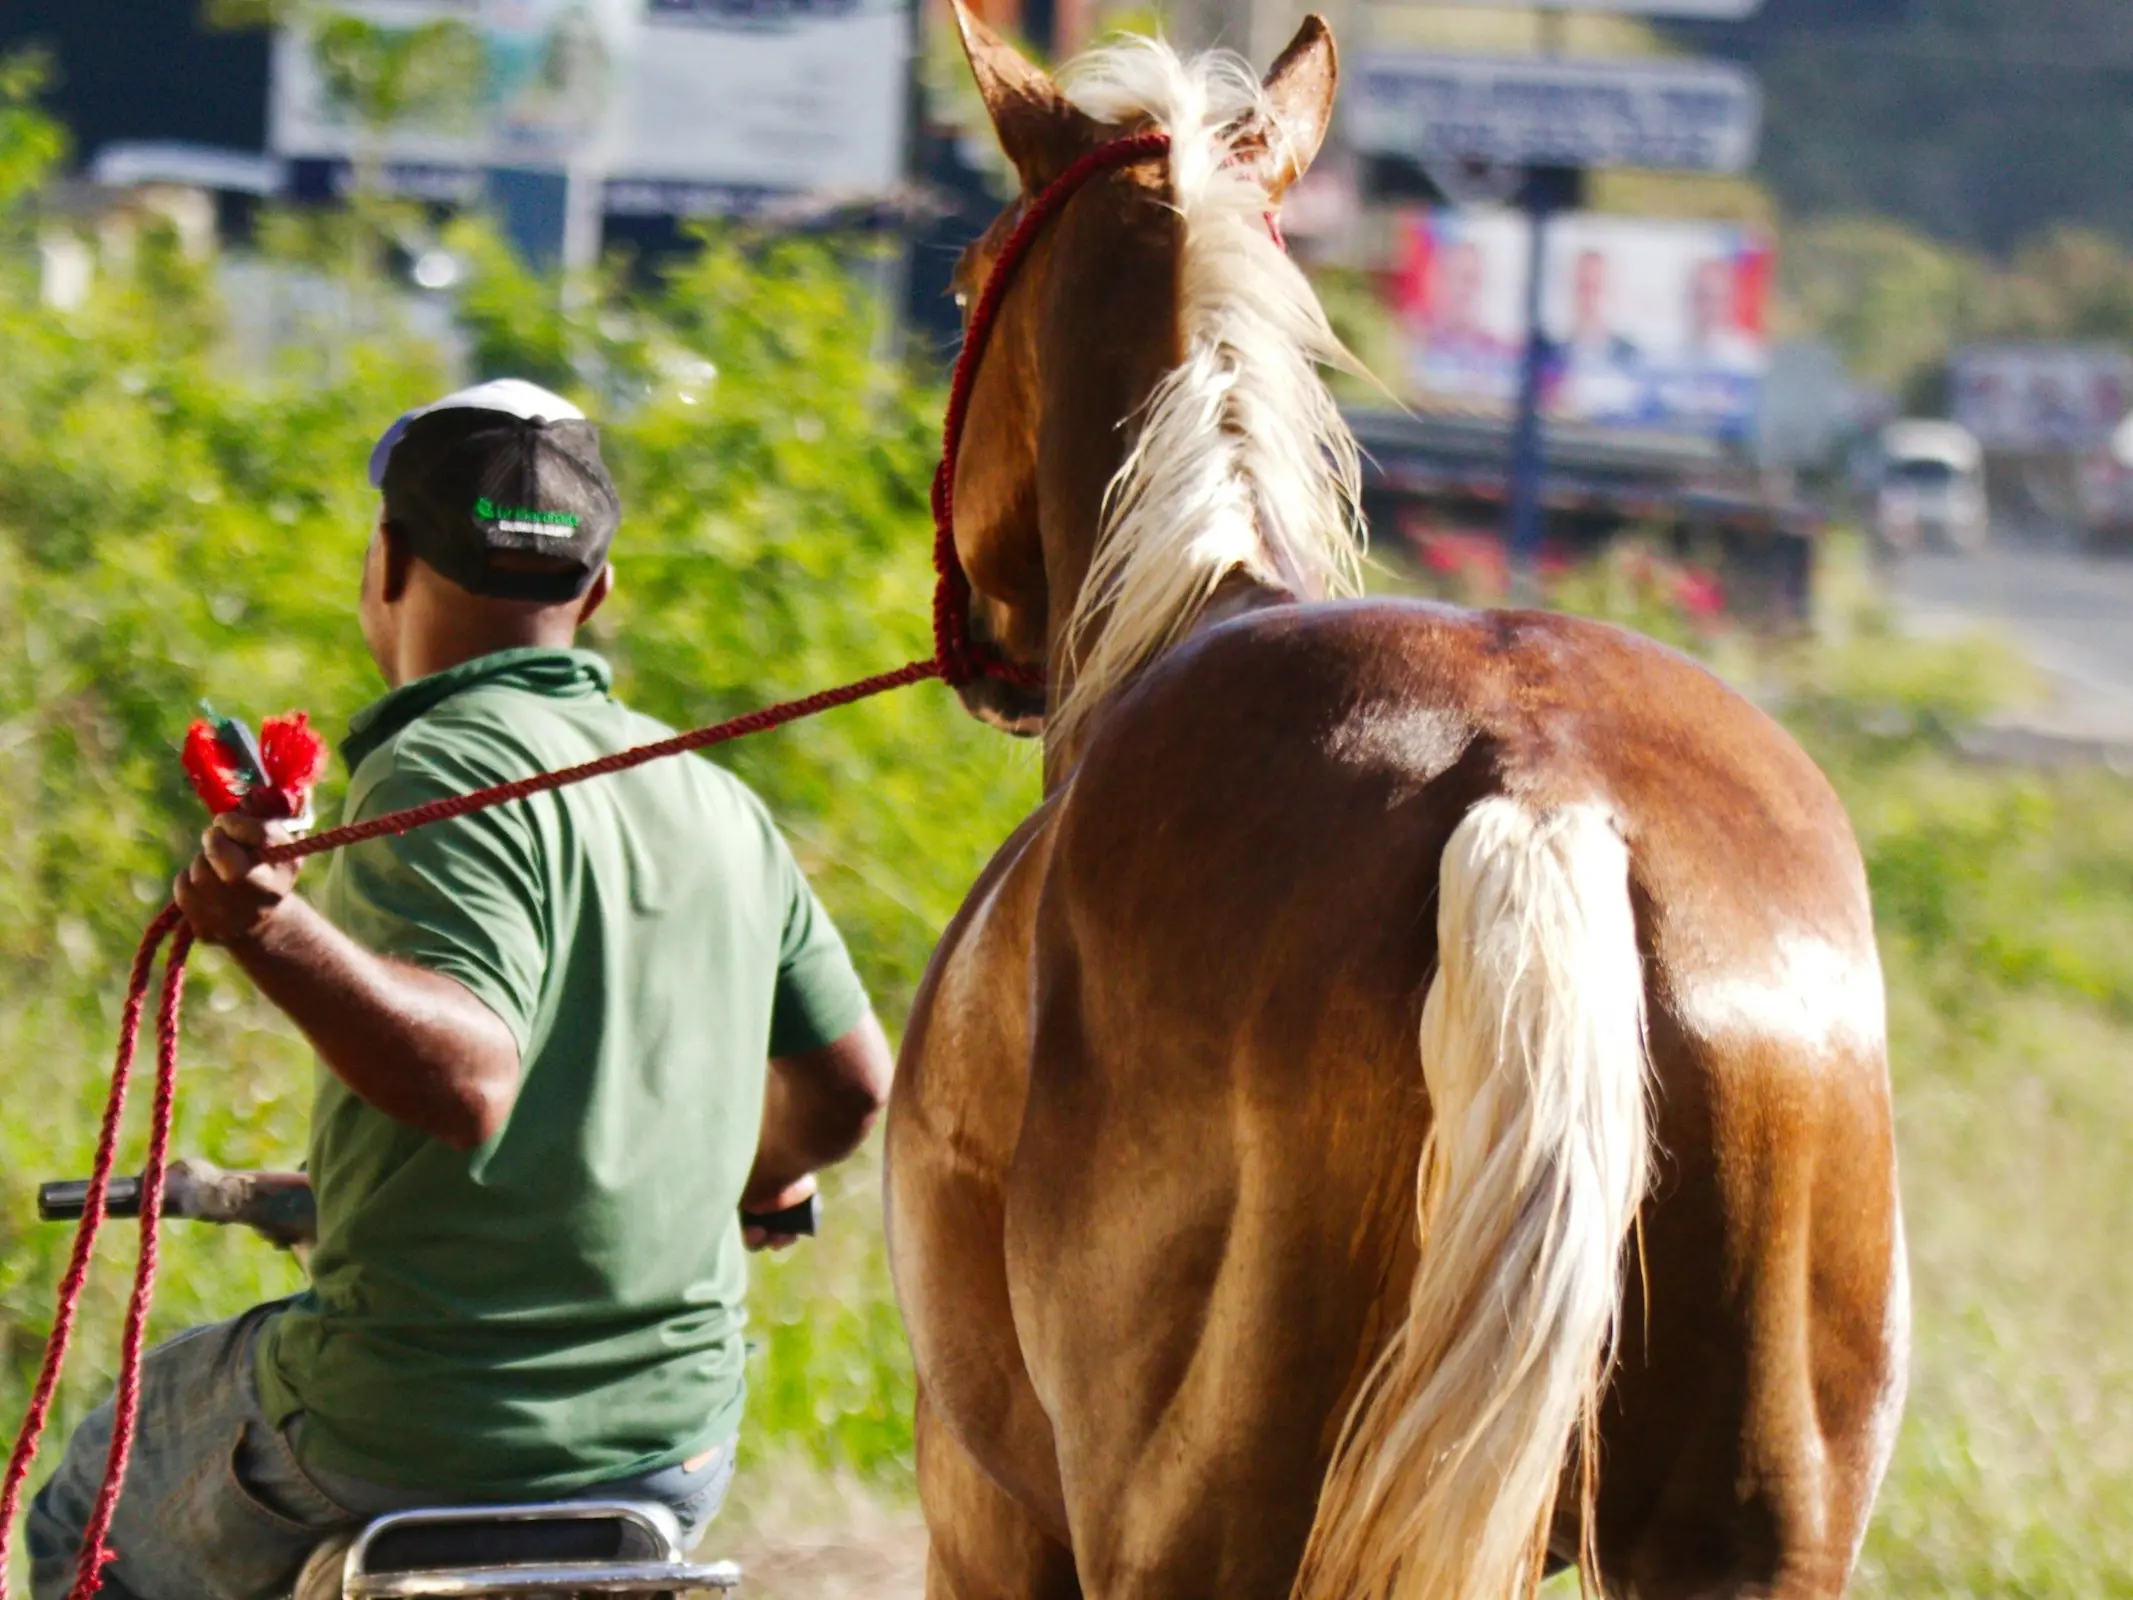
(1932, 488)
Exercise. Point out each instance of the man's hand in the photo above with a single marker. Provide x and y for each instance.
(228, 894)
(773, 1200)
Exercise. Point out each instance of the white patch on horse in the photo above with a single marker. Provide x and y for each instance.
(1812, 993)
(1242, 463)
(1416, 742)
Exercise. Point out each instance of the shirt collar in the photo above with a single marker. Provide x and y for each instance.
(537, 669)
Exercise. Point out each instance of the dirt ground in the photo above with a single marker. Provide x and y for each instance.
(800, 1536)
(888, 1563)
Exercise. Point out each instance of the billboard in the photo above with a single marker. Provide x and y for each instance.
(781, 94)
(2041, 399)
(1659, 326)
(1687, 116)
(683, 104)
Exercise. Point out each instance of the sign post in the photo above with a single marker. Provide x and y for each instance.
(1548, 190)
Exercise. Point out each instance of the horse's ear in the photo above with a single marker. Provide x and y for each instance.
(1299, 88)
(1042, 131)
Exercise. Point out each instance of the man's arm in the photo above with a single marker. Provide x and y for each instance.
(818, 1106)
(415, 1044)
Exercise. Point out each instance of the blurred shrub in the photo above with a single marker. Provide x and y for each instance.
(31, 143)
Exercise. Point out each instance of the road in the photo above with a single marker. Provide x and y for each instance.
(2070, 615)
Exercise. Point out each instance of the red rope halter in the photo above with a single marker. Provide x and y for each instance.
(957, 659)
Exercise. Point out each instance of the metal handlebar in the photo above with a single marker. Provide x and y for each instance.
(280, 1205)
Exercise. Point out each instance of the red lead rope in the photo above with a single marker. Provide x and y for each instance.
(951, 594)
(957, 659)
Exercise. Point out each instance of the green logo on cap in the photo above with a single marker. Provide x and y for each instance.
(524, 519)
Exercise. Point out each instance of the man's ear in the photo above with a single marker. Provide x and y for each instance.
(1300, 87)
(595, 597)
(1042, 132)
(399, 562)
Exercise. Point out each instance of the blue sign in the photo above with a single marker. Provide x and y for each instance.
(1533, 111)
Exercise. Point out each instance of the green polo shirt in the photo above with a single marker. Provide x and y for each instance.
(563, 1305)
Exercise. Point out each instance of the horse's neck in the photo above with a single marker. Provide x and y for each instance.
(1084, 442)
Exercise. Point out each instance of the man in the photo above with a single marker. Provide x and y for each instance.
(543, 1099)
(1594, 376)
(1458, 356)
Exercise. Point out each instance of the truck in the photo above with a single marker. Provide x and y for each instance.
(1932, 489)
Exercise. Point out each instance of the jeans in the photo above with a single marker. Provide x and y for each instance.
(216, 1504)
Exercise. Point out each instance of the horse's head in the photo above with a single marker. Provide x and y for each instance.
(1109, 303)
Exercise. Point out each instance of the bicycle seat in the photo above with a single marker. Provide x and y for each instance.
(557, 1551)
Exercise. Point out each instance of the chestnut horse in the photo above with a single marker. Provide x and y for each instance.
(1410, 1107)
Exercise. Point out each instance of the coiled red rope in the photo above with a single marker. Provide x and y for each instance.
(957, 659)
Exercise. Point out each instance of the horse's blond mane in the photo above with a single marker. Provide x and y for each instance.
(1242, 462)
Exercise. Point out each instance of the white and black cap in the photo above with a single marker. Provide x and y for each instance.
(501, 488)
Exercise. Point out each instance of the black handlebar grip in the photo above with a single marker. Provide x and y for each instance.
(64, 1202)
(801, 1220)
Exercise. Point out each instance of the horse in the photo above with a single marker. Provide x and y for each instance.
(1409, 1109)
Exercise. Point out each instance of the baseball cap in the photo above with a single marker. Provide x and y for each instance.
(501, 488)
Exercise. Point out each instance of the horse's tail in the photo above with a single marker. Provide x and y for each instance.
(1445, 1479)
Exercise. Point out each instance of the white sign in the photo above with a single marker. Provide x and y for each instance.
(1531, 111)
(556, 74)
(783, 94)
(677, 100)
(1709, 10)
(2041, 399)
(1654, 326)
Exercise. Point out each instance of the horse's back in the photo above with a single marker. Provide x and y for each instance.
(1213, 1184)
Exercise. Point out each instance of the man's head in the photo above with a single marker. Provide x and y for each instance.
(493, 530)
(1710, 301)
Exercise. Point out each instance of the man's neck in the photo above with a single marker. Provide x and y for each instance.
(424, 657)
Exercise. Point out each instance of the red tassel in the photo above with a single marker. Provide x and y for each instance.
(290, 750)
(214, 775)
(295, 758)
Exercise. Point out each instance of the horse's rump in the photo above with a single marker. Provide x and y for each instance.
(1214, 1188)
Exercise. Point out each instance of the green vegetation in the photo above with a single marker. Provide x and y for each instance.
(2003, 900)
(1895, 303)
(173, 525)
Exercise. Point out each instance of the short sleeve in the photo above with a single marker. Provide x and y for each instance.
(464, 898)
(819, 996)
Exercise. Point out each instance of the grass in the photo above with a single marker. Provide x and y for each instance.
(2004, 899)
(2014, 1473)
